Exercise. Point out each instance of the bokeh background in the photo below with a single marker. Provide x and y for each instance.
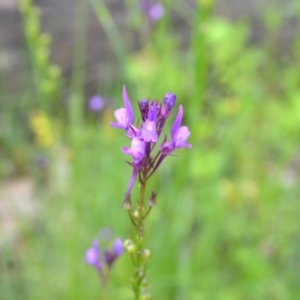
(226, 224)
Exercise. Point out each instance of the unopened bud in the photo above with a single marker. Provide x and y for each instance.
(152, 199)
(146, 254)
(136, 214)
(129, 246)
(127, 204)
(144, 282)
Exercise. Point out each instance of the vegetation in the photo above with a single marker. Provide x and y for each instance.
(226, 220)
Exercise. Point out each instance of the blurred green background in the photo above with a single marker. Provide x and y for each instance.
(226, 223)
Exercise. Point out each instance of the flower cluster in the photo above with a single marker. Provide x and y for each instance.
(103, 262)
(146, 134)
(42, 128)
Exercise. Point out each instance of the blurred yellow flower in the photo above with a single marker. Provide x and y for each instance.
(41, 126)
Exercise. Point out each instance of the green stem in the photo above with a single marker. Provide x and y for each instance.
(139, 263)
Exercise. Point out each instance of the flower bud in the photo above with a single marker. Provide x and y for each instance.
(152, 199)
(146, 254)
(129, 246)
(169, 103)
(144, 108)
(127, 204)
(170, 100)
(136, 214)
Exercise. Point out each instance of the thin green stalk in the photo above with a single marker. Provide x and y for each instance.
(115, 38)
(78, 74)
(138, 256)
(200, 55)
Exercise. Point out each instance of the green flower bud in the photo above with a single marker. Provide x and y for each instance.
(146, 254)
(129, 246)
(136, 214)
(146, 296)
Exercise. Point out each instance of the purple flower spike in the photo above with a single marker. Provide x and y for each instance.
(92, 256)
(96, 103)
(124, 116)
(137, 150)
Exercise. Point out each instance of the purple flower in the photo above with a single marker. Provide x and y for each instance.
(124, 116)
(111, 256)
(118, 247)
(92, 256)
(179, 135)
(137, 150)
(169, 102)
(96, 103)
(154, 11)
(149, 133)
(145, 136)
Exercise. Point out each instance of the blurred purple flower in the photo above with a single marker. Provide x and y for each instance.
(94, 258)
(154, 11)
(42, 161)
(117, 250)
(96, 103)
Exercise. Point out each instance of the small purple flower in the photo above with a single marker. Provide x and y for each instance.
(137, 150)
(111, 256)
(154, 11)
(118, 247)
(179, 135)
(149, 133)
(168, 104)
(92, 256)
(96, 103)
(42, 161)
(124, 116)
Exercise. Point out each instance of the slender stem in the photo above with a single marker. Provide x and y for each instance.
(103, 277)
(104, 292)
(137, 258)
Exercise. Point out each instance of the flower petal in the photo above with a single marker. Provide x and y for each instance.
(137, 150)
(177, 122)
(128, 106)
(181, 137)
(118, 247)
